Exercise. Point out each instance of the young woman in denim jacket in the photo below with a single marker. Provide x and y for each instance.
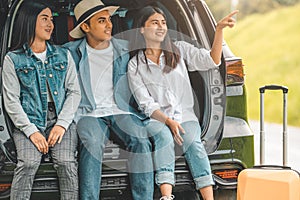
(41, 95)
(159, 80)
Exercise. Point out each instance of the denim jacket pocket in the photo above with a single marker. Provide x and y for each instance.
(60, 71)
(26, 75)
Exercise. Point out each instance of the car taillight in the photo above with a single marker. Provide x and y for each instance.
(4, 187)
(229, 175)
(226, 178)
(225, 172)
(235, 72)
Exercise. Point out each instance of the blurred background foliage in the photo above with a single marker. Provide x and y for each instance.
(267, 37)
(221, 7)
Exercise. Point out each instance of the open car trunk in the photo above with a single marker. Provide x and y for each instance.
(186, 21)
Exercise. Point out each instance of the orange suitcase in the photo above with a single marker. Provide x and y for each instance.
(269, 182)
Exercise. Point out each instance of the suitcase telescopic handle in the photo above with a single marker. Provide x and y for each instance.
(273, 87)
(271, 167)
(262, 129)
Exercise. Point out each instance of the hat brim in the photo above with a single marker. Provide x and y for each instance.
(78, 33)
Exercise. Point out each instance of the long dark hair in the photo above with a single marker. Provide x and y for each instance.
(171, 52)
(24, 27)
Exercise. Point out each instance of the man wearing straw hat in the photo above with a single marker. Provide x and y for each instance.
(101, 62)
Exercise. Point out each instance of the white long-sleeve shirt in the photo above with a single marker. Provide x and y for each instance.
(169, 92)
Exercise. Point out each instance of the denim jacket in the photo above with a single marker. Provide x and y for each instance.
(123, 97)
(33, 75)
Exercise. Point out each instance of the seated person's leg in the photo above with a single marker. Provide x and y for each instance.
(93, 133)
(164, 157)
(29, 159)
(134, 135)
(197, 158)
(65, 163)
(164, 154)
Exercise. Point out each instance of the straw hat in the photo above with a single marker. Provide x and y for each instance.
(86, 9)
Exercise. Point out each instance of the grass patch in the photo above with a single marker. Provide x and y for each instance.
(270, 47)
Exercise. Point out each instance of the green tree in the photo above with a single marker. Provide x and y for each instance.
(220, 8)
(287, 2)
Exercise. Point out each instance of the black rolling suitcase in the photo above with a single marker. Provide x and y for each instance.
(270, 182)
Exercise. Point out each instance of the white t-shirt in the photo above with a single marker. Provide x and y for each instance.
(101, 74)
(42, 57)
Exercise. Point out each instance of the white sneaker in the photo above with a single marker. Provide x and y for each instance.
(167, 198)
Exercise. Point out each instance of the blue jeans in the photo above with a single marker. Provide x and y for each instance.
(195, 155)
(193, 149)
(163, 152)
(93, 134)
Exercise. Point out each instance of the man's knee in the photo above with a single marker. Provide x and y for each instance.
(139, 145)
(91, 134)
(87, 123)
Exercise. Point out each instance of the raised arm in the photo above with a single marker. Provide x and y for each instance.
(216, 50)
